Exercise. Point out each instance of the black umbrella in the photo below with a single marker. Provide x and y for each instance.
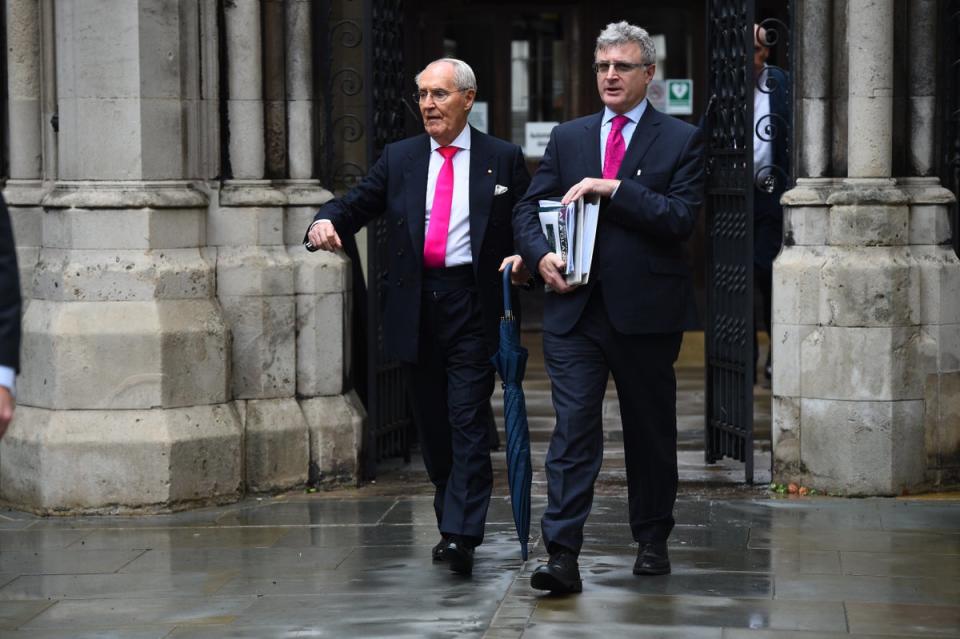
(511, 362)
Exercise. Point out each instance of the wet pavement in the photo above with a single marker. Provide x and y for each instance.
(355, 562)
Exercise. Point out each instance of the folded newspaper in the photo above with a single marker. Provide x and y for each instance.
(571, 231)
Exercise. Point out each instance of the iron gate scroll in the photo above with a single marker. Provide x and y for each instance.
(732, 184)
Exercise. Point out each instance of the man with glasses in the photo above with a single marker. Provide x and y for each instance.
(647, 170)
(448, 197)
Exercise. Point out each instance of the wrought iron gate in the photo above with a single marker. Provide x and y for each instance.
(361, 60)
(731, 187)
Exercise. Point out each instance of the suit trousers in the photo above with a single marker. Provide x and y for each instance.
(579, 364)
(452, 383)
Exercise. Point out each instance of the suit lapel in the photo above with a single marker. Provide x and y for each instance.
(643, 137)
(415, 190)
(482, 182)
(590, 147)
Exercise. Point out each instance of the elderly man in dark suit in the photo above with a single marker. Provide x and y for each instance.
(448, 196)
(9, 318)
(647, 170)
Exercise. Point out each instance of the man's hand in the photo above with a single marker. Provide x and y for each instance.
(519, 275)
(590, 186)
(551, 270)
(7, 404)
(323, 236)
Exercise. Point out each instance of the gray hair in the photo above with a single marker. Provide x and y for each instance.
(617, 34)
(463, 75)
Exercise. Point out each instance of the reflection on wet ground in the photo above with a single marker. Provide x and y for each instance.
(356, 563)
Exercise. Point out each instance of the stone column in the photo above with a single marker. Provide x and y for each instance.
(255, 276)
(124, 396)
(866, 307)
(323, 284)
(870, 88)
(922, 86)
(23, 191)
(812, 120)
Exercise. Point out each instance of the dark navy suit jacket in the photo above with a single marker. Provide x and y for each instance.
(396, 187)
(638, 255)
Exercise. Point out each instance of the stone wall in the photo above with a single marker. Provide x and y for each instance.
(180, 346)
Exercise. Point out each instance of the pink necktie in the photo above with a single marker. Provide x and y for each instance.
(616, 148)
(435, 246)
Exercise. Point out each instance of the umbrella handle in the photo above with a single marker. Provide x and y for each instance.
(507, 307)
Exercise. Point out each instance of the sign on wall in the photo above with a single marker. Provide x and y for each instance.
(679, 97)
(537, 134)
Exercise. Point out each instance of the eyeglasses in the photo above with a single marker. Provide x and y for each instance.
(438, 95)
(620, 67)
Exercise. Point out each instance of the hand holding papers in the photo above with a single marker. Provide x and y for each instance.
(571, 232)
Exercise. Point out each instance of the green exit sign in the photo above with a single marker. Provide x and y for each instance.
(679, 97)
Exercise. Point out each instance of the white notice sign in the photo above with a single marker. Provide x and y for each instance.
(537, 136)
(478, 117)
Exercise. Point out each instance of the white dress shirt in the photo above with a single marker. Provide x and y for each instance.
(8, 379)
(458, 233)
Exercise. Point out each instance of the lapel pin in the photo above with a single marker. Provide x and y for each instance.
(489, 171)
(639, 171)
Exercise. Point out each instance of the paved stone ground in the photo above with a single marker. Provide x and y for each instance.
(355, 562)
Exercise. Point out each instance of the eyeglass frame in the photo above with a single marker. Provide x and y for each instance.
(619, 67)
(422, 94)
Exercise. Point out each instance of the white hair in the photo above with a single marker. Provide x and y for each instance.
(619, 33)
(463, 75)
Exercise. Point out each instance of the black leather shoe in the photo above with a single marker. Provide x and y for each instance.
(559, 575)
(437, 551)
(652, 559)
(459, 555)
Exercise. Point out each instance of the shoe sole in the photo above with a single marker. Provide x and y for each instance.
(545, 581)
(652, 571)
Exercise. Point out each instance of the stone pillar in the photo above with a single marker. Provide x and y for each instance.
(813, 121)
(323, 283)
(24, 190)
(124, 396)
(866, 307)
(870, 88)
(255, 276)
(922, 87)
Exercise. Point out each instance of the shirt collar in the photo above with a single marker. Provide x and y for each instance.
(462, 140)
(633, 114)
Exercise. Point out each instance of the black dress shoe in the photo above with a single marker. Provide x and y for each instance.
(459, 555)
(652, 559)
(559, 575)
(437, 551)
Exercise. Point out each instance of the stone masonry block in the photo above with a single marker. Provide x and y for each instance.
(123, 355)
(122, 275)
(947, 337)
(276, 445)
(112, 126)
(939, 284)
(254, 271)
(786, 342)
(162, 138)
(805, 225)
(786, 434)
(866, 364)
(869, 287)
(320, 272)
(863, 448)
(796, 287)
(93, 461)
(27, 224)
(27, 258)
(245, 225)
(264, 345)
(124, 228)
(868, 225)
(948, 420)
(336, 434)
(322, 344)
(930, 224)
